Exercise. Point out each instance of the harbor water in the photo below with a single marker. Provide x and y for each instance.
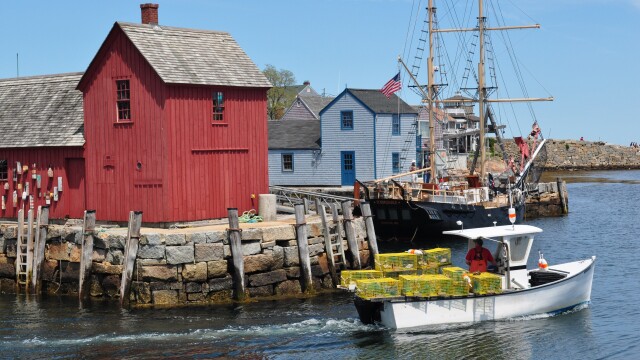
(604, 220)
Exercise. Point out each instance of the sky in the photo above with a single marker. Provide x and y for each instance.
(585, 55)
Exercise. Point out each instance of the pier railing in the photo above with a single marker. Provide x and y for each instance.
(288, 198)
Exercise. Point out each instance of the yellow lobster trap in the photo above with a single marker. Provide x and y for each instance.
(486, 283)
(377, 288)
(425, 285)
(349, 277)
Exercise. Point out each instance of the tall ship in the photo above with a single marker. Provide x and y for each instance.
(449, 186)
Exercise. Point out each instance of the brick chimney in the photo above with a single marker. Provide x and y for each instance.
(149, 13)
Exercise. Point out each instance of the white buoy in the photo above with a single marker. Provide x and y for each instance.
(542, 263)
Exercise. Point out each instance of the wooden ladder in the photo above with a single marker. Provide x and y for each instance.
(337, 243)
(22, 265)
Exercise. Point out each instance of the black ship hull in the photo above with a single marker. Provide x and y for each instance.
(422, 220)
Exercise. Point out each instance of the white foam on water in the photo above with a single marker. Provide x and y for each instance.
(314, 326)
(549, 315)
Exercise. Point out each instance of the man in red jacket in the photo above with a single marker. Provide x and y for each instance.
(478, 257)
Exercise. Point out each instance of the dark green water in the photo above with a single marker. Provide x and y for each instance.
(604, 221)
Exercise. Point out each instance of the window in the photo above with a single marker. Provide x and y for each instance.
(287, 162)
(218, 106)
(4, 173)
(123, 97)
(395, 125)
(346, 120)
(395, 162)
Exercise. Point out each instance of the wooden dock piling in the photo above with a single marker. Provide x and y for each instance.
(351, 234)
(130, 254)
(371, 232)
(562, 194)
(328, 247)
(303, 249)
(235, 241)
(38, 251)
(88, 228)
(30, 234)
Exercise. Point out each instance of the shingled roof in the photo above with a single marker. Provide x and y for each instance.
(41, 111)
(316, 103)
(380, 104)
(198, 57)
(294, 135)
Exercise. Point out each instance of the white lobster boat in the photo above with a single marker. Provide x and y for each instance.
(524, 292)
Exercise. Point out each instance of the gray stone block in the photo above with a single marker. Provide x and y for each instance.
(180, 254)
(115, 257)
(151, 239)
(166, 273)
(251, 234)
(278, 233)
(216, 236)
(227, 251)
(219, 284)
(316, 249)
(261, 291)
(10, 232)
(193, 287)
(142, 262)
(272, 277)
(315, 240)
(195, 272)
(251, 248)
(291, 257)
(209, 252)
(165, 297)
(268, 245)
(197, 238)
(217, 269)
(151, 252)
(175, 239)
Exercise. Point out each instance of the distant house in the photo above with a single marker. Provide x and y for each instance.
(364, 136)
(294, 152)
(424, 137)
(307, 105)
(168, 121)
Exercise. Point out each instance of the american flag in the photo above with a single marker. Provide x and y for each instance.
(392, 85)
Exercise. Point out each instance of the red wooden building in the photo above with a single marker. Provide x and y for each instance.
(174, 124)
(41, 127)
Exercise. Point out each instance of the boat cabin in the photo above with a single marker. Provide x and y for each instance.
(510, 246)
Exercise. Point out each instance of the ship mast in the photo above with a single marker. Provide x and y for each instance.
(481, 87)
(431, 94)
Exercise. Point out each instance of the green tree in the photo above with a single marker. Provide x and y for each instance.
(281, 95)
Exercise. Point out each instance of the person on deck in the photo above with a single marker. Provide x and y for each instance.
(478, 257)
(413, 167)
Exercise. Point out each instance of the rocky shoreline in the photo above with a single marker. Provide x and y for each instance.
(582, 155)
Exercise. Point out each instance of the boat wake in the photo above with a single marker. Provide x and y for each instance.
(316, 327)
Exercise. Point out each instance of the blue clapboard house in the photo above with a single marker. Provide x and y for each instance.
(361, 135)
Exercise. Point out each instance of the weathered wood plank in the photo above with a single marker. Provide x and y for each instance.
(303, 249)
(41, 239)
(371, 232)
(235, 241)
(88, 228)
(327, 243)
(351, 234)
(130, 254)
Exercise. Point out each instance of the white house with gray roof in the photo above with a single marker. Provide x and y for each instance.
(364, 135)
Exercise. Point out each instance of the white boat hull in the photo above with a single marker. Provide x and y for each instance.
(553, 297)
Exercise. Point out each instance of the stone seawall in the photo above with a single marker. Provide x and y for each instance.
(181, 266)
(548, 199)
(583, 155)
